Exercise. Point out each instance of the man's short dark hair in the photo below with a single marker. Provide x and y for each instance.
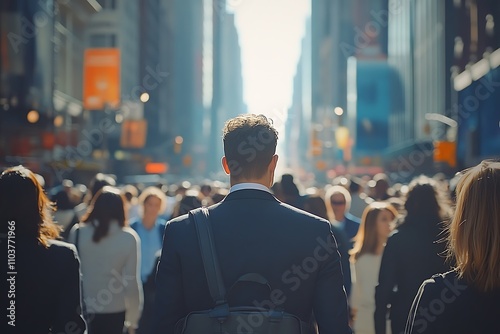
(249, 145)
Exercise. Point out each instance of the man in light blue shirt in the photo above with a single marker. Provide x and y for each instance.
(150, 229)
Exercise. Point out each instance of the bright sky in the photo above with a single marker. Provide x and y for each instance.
(270, 34)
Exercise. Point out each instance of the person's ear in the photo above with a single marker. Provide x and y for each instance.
(225, 165)
(271, 169)
(273, 163)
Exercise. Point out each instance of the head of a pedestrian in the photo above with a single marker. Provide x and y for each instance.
(250, 149)
(474, 231)
(99, 181)
(25, 209)
(381, 186)
(377, 222)
(107, 207)
(153, 202)
(338, 202)
(315, 204)
(425, 203)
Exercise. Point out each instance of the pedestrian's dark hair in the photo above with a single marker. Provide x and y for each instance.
(24, 203)
(425, 199)
(99, 181)
(249, 145)
(106, 206)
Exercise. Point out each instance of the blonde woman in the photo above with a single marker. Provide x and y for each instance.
(467, 299)
(376, 224)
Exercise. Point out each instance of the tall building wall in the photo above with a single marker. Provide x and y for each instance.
(430, 70)
(41, 65)
(400, 49)
(151, 74)
(227, 82)
(117, 25)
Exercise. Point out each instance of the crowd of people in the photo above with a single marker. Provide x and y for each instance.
(416, 258)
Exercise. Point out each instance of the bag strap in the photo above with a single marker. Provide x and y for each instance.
(200, 216)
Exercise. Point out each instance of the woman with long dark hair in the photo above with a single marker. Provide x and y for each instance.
(412, 254)
(40, 276)
(109, 252)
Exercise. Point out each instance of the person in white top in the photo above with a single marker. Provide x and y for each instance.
(110, 256)
(376, 224)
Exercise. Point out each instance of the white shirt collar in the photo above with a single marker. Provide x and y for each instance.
(249, 185)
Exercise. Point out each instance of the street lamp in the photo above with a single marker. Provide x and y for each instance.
(451, 133)
(33, 116)
(445, 151)
(144, 97)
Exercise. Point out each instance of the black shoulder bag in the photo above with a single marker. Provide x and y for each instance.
(225, 319)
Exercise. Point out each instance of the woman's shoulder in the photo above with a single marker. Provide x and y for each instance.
(82, 226)
(449, 280)
(62, 248)
(129, 234)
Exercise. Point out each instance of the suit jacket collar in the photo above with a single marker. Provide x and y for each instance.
(249, 185)
(250, 194)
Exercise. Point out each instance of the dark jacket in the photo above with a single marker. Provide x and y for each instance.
(254, 232)
(446, 304)
(351, 226)
(344, 246)
(412, 255)
(46, 287)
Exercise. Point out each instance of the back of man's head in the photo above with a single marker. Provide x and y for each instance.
(249, 145)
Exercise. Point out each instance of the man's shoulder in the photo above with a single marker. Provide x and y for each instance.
(300, 214)
(352, 219)
(177, 221)
(134, 223)
(161, 223)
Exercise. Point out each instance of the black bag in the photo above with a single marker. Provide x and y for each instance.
(232, 320)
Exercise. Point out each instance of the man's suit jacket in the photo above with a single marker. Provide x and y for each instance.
(351, 226)
(254, 232)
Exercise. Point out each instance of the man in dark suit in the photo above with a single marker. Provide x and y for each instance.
(254, 233)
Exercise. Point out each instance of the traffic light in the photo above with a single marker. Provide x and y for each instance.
(445, 151)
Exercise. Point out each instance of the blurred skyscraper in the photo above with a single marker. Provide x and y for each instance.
(227, 85)
(431, 43)
(419, 70)
(299, 121)
(40, 81)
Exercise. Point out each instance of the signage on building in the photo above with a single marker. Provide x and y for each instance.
(133, 134)
(101, 78)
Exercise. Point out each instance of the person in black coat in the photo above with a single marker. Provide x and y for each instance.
(40, 281)
(467, 299)
(254, 232)
(412, 254)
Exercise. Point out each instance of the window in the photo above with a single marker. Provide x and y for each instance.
(107, 4)
(102, 40)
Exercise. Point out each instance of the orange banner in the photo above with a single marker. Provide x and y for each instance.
(101, 78)
(133, 133)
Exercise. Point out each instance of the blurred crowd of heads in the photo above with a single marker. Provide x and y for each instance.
(474, 226)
